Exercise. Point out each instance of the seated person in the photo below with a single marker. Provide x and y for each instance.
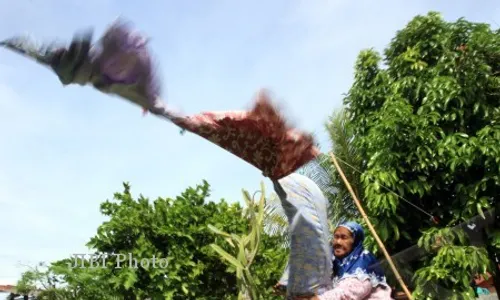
(356, 273)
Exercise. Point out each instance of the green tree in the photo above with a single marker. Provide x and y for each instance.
(427, 125)
(41, 281)
(79, 282)
(176, 230)
(30, 281)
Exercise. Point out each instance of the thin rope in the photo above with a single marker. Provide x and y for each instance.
(387, 188)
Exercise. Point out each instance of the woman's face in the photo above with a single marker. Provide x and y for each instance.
(342, 242)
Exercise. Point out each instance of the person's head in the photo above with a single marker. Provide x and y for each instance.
(346, 237)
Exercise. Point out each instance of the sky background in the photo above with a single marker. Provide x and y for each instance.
(64, 150)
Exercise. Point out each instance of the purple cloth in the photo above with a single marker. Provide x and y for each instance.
(119, 63)
(125, 66)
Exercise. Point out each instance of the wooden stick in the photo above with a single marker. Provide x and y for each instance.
(372, 229)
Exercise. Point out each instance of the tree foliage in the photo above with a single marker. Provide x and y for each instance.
(174, 229)
(427, 124)
(58, 281)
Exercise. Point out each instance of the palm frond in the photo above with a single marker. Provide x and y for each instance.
(275, 219)
(323, 172)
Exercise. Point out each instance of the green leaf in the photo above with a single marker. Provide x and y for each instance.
(231, 259)
(218, 231)
(480, 210)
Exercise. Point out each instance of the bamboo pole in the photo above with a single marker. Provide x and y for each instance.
(372, 229)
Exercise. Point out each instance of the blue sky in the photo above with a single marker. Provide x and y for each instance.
(65, 150)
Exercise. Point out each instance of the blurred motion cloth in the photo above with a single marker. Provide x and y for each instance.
(259, 136)
(120, 63)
